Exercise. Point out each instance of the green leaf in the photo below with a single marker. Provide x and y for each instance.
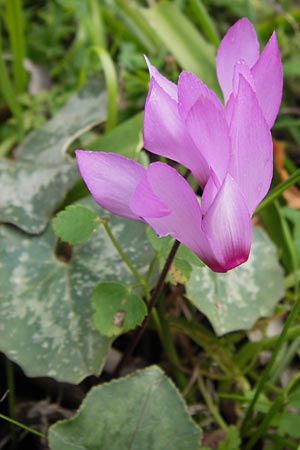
(232, 441)
(36, 182)
(206, 23)
(125, 139)
(187, 45)
(45, 314)
(236, 299)
(289, 424)
(131, 16)
(294, 395)
(277, 228)
(291, 67)
(262, 404)
(76, 224)
(117, 309)
(111, 80)
(142, 411)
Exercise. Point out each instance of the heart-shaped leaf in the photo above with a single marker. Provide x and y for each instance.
(236, 299)
(37, 180)
(45, 312)
(143, 411)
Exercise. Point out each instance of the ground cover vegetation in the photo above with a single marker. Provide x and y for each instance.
(111, 337)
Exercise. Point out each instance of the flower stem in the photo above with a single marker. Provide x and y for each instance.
(211, 406)
(152, 303)
(126, 260)
(11, 393)
(163, 335)
(169, 345)
(265, 423)
(21, 425)
(277, 191)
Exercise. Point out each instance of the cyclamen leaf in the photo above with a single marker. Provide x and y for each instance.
(37, 180)
(232, 440)
(45, 314)
(143, 411)
(117, 309)
(125, 139)
(76, 224)
(236, 299)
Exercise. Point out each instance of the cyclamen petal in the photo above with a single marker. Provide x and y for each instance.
(209, 130)
(227, 224)
(241, 68)
(210, 191)
(228, 149)
(173, 190)
(268, 80)
(190, 89)
(251, 163)
(164, 200)
(239, 43)
(111, 179)
(165, 133)
(167, 85)
(184, 222)
(145, 203)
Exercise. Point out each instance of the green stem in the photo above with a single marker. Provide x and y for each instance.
(203, 18)
(94, 24)
(111, 81)
(211, 406)
(142, 29)
(282, 441)
(151, 305)
(15, 25)
(165, 339)
(265, 423)
(11, 392)
(278, 190)
(21, 425)
(263, 379)
(287, 356)
(8, 91)
(293, 333)
(126, 260)
(169, 345)
(211, 344)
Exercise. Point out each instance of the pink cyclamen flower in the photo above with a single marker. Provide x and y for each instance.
(239, 53)
(228, 149)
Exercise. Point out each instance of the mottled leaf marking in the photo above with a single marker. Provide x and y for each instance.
(236, 299)
(45, 312)
(38, 179)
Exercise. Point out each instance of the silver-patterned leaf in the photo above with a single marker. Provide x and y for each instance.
(37, 180)
(143, 411)
(236, 299)
(45, 312)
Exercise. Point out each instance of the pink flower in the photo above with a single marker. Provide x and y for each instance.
(228, 149)
(178, 127)
(239, 53)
